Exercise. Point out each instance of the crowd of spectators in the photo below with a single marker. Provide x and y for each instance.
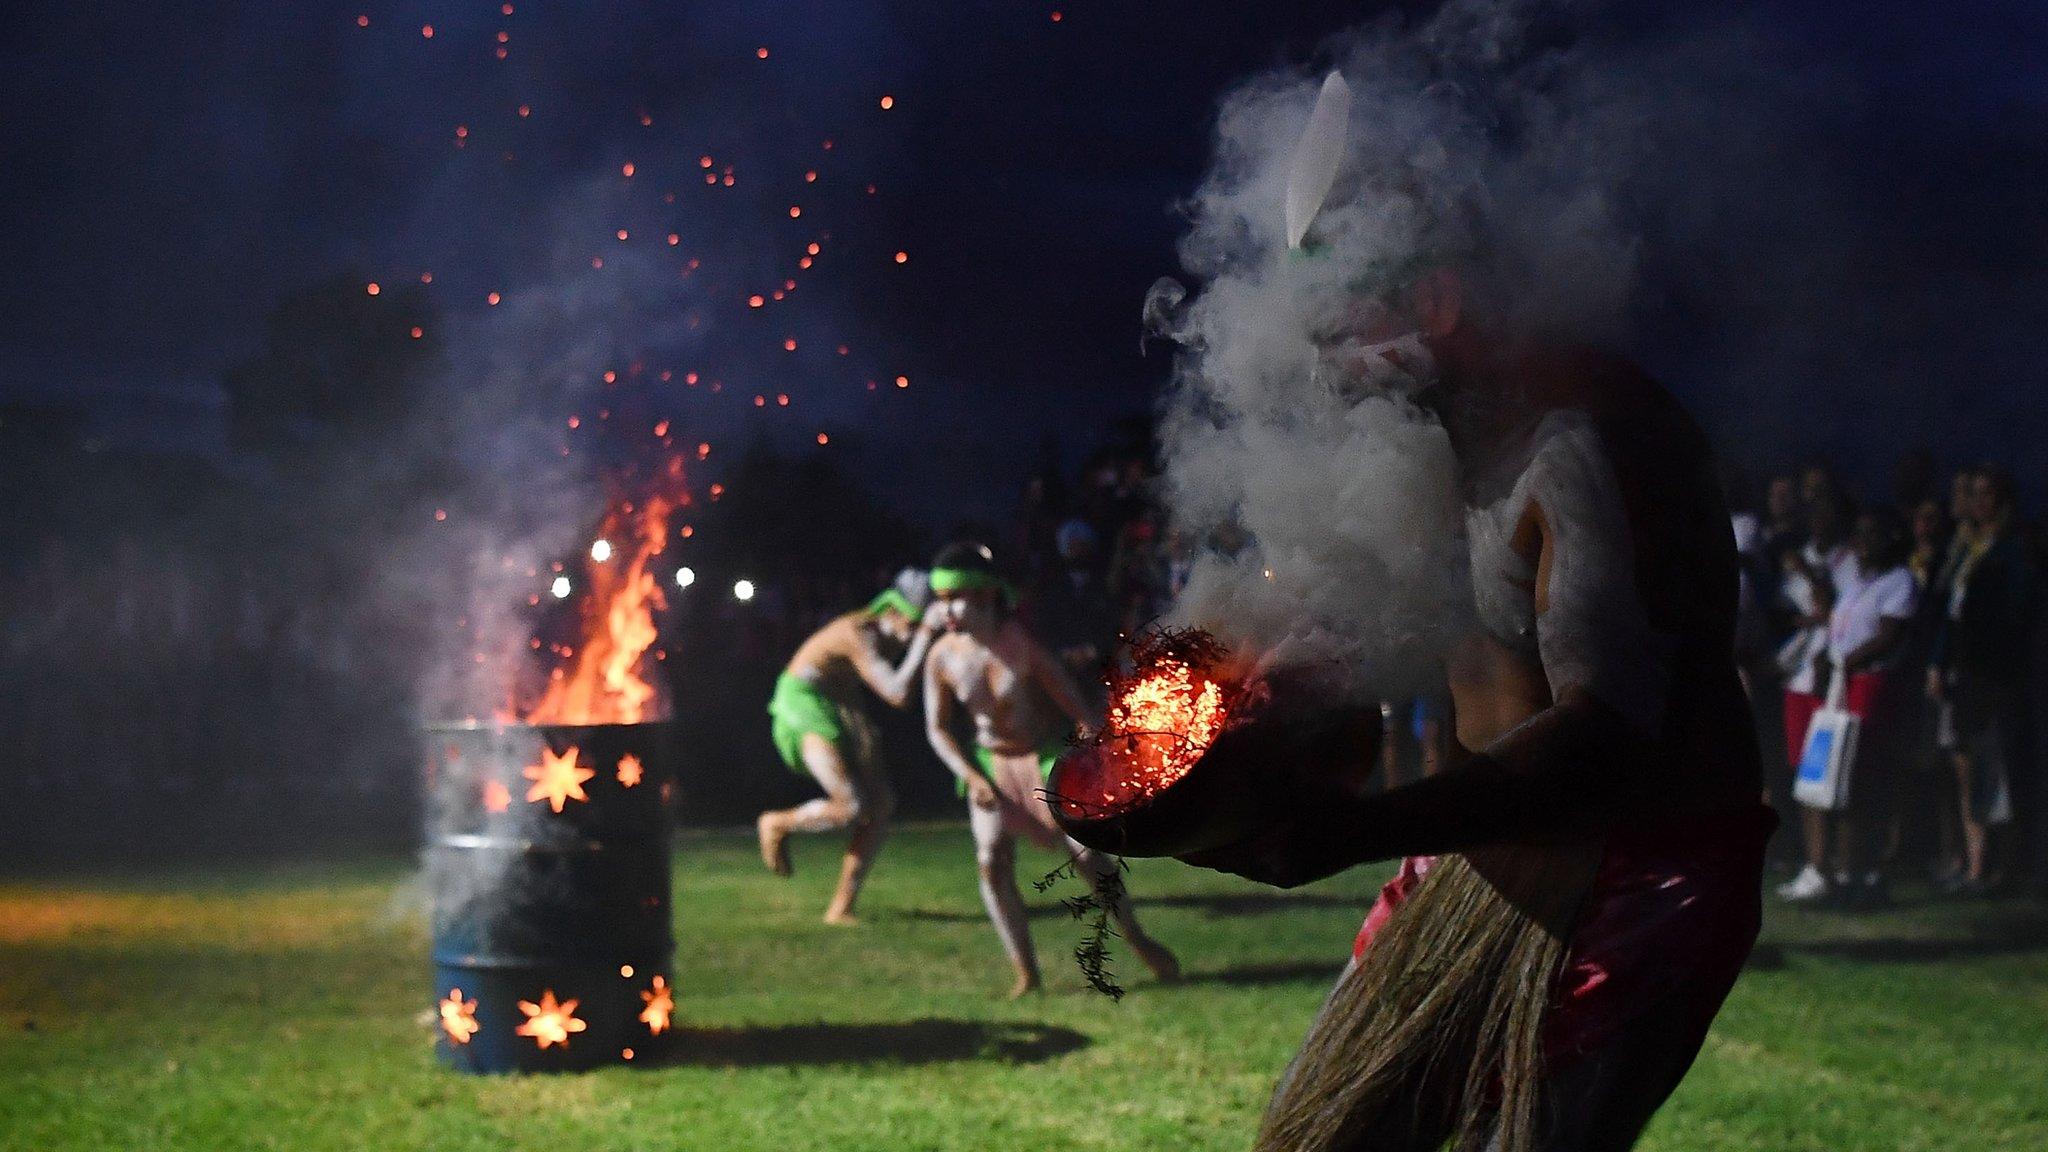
(1917, 615)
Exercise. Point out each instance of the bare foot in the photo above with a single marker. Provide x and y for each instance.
(1156, 957)
(1027, 983)
(844, 919)
(774, 844)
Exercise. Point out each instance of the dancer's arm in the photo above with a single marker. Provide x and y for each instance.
(891, 684)
(1052, 679)
(938, 728)
(1574, 766)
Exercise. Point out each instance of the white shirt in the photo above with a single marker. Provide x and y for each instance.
(1846, 575)
(1888, 596)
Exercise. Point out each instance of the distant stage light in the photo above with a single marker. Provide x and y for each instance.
(743, 590)
(560, 588)
(601, 551)
(685, 577)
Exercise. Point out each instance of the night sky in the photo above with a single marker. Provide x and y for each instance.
(173, 171)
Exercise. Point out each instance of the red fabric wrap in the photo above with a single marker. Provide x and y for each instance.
(1673, 911)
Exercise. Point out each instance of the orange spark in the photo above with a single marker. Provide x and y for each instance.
(362, 21)
(458, 1017)
(902, 257)
(674, 239)
(418, 332)
(548, 1022)
(626, 170)
(661, 428)
(622, 233)
(903, 381)
(440, 514)
(795, 211)
(812, 248)
(373, 288)
(789, 345)
(782, 398)
(760, 53)
(427, 31)
(888, 102)
(755, 300)
(660, 1003)
(492, 299)
(810, 177)
(525, 110)
(824, 439)
(556, 779)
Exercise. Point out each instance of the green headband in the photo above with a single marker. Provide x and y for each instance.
(891, 598)
(967, 580)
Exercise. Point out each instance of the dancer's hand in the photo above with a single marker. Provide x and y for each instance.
(981, 793)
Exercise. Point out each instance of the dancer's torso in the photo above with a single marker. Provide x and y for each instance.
(826, 659)
(992, 679)
(1636, 602)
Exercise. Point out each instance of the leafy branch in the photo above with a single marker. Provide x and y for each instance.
(1095, 907)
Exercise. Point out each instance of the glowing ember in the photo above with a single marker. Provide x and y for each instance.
(660, 1003)
(604, 686)
(458, 1017)
(629, 770)
(556, 779)
(548, 1022)
(1162, 716)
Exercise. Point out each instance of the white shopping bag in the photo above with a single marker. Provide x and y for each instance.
(1823, 778)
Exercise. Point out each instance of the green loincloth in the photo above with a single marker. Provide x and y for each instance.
(798, 708)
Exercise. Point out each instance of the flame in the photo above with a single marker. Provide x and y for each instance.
(548, 1022)
(629, 770)
(556, 779)
(659, 1004)
(458, 1017)
(604, 686)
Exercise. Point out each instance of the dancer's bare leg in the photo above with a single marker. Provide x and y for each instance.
(995, 856)
(838, 808)
(876, 803)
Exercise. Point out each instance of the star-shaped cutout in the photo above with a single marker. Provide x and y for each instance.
(629, 770)
(548, 1022)
(556, 779)
(458, 1017)
(659, 1004)
(497, 797)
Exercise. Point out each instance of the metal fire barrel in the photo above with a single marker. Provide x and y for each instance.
(548, 861)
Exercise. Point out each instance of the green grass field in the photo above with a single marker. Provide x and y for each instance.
(277, 1008)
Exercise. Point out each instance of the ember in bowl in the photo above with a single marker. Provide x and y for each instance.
(1144, 785)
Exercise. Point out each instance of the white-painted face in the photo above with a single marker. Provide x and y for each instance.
(972, 612)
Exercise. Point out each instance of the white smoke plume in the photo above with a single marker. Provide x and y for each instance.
(1554, 163)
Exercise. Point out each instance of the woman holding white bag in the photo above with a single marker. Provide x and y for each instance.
(1867, 632)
